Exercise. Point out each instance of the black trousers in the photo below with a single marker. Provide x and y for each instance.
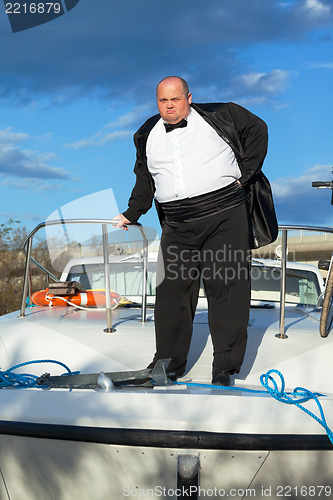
(215, 249)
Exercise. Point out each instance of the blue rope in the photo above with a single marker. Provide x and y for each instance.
(302, 394)
(10, 379)
(29, 303)
(297, 397)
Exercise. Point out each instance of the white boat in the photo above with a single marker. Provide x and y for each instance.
(117, 430)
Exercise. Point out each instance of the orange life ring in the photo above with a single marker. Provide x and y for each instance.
(89, 298)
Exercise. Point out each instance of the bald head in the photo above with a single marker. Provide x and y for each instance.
(174, 80)
(173, 99)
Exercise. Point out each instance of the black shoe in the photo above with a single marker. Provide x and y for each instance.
(221, 378)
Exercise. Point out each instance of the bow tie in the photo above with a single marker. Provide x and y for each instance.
(169, 127)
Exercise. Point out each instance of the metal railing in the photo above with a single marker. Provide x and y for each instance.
(105, 222)
(284, 243)
(27, 248)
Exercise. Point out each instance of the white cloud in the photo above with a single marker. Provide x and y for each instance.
(106, 134)
(297, 202)
(35, 185)
(286, 187)
(131, 118)
(286, 4)
(273, 82)
(99, 139)
(316, 7)
(26, 168)
(322, 65)
(18, 163)
(7, 136)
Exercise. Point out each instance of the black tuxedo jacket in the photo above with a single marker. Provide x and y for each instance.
(247, 135)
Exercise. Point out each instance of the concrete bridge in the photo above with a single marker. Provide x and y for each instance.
(302, 246)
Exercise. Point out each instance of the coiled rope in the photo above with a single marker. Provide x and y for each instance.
(15, 380)
(298, 396)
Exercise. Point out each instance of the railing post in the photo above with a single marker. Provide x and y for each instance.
(109, 328)
(26, 278)
(145, 275)
(281, 334)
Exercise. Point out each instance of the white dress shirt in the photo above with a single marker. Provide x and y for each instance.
(189, 161)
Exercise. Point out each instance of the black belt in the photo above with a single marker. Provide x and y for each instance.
(204, 205)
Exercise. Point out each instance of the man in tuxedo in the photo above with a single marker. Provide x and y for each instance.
(201, 164)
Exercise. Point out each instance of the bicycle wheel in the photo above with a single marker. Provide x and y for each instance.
(326, 316)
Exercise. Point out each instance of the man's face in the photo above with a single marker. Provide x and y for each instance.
(172, 103)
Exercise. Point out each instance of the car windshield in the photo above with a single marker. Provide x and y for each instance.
(302, 286)
(125, 277)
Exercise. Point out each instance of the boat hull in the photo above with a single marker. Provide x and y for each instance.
(49, 467)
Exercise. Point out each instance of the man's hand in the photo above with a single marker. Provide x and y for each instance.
(122, 222)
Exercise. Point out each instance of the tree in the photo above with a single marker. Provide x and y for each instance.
(12, 264)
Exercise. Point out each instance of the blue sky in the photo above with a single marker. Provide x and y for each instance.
(74, 91)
